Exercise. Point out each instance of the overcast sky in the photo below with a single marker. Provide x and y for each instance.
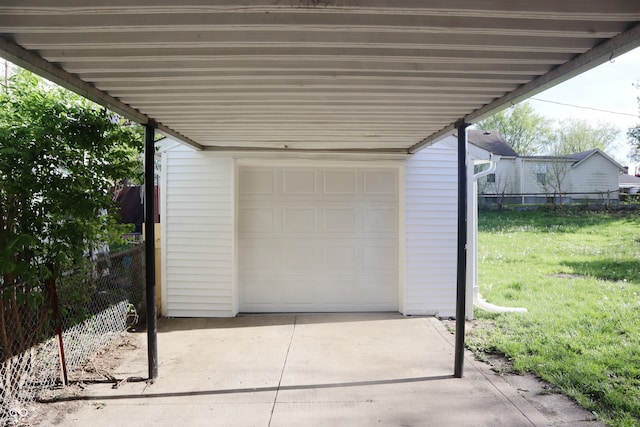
(606, 87)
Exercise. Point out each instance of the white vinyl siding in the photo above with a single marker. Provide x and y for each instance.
(198, 230)
(507, 180)
(431, 209)
(534, 169)
(201, 230)
(595, 174)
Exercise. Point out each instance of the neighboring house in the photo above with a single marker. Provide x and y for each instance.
(590, 176)
(629, 185)
(498, 182)
(252, 233)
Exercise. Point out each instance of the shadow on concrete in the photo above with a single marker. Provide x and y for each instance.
(246, 390)
(248, 320)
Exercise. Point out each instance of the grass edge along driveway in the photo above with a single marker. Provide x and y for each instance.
(578, 274)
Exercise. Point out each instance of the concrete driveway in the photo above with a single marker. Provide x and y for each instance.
(303, 370)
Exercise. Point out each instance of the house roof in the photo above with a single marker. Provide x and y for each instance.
(626, 180)
(576, 158)
(581, 157)
(380, 75)
(491, 141)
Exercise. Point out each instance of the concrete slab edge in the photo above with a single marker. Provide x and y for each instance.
(520, 403)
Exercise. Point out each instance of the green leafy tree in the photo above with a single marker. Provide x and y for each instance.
(526, 131)
(60, 157)
(577, 135)
(633, 134)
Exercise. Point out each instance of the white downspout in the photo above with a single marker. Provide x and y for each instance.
(472, 272)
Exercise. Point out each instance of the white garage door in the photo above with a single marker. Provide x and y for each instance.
(318, 239)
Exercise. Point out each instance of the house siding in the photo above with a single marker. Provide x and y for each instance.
(507, 179)
(197, 219)
(431, 212)
(595, 174)
(199, 229)
(528, 174)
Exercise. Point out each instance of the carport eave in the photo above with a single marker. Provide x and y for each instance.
(32, 62)
(256, 149)
(606, 51)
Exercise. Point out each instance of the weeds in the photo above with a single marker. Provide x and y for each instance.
(578, 273)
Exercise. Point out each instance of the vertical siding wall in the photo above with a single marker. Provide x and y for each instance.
(198, 233)
(431, 209)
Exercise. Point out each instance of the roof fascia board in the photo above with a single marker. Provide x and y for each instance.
(606, 51)
(32, 62)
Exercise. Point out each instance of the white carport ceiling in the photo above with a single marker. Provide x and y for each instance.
(380, 75)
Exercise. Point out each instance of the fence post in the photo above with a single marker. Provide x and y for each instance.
(56, 319)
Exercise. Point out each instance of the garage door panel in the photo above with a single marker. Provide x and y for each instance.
(257, 220)
(339, 259)
(295, 219)
(376, 290)
(381, 183)
(339, 219)
(299, 291)
(260, 257)
(298, 182)
(379, 220)
(297, 259)
(339, 291)
(325, 239)
(259, 291)
(339, 182)
(255, 182)
(379, 258)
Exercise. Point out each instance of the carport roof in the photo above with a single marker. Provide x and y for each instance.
(347, 75)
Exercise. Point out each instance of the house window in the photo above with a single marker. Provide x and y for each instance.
(491, 178)
(541, 173)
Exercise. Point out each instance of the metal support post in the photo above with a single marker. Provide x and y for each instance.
(149, 249)
(461, 294)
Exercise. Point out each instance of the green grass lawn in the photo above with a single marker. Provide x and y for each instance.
(578, 274)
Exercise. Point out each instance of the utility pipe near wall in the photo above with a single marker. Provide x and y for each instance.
(472, 271)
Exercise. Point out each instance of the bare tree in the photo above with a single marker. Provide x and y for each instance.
(551, 176)
(494, 184)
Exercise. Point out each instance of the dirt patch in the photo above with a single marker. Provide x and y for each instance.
(557, 407)
(53, 406)
(567, 275)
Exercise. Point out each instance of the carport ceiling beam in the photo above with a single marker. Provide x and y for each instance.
(310, 150)
(27, 60)
(606, 51)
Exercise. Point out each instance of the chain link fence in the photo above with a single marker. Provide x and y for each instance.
(43, 345)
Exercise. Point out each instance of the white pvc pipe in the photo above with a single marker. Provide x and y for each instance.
(478, 300)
